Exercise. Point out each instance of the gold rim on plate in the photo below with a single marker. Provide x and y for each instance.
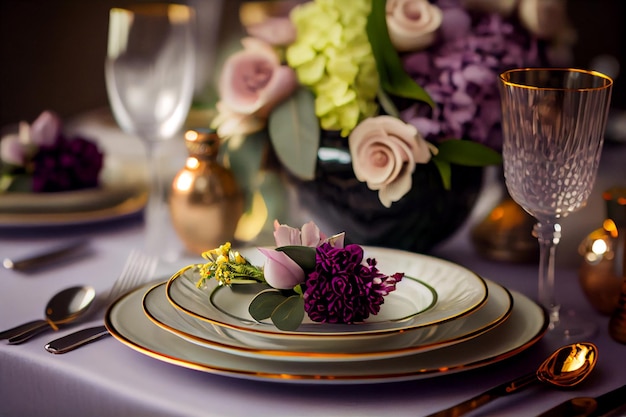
(527, 324)
(497, 309)
(460, 292)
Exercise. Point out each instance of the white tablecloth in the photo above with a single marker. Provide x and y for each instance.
(107, 378)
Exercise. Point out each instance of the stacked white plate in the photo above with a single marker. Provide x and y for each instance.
(442, 318)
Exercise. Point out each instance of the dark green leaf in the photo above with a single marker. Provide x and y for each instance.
(444, 170)
(387, 103)
(298, 289)
(17, 183)
(262, 306)
(304, 256)
(289, 314)
(295, 133)
(468, 153)
(393, 78)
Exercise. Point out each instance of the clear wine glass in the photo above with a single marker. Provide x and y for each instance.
(553, 122)
(149, 71)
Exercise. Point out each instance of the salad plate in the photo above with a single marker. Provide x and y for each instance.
(123, 189)
(457, 292)
(128, 324)
(496, 310)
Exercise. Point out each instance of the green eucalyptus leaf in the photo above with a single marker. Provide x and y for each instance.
(295, 133)
(393, 77)
(245, 161)
(304, 256)
(265, 302)
(289, 314)
(468, 153)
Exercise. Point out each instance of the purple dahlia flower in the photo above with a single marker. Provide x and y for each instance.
(343, 290)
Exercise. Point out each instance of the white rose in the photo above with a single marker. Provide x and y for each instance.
(544, 18)
(229, 123)
(412, 24)
(384, 152)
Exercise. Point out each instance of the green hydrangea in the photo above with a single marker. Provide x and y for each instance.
(333, 57)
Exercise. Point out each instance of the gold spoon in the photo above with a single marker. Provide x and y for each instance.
(566, 367)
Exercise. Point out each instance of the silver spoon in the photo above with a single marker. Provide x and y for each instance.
(566, 367)
(64, 307)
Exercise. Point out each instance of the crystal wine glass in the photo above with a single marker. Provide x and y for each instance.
(149, 70)
(553, 122)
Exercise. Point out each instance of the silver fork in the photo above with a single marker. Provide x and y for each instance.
(138, 269)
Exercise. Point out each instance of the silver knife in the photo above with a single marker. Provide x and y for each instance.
(74, 340)
(63, 252)
(588, 406)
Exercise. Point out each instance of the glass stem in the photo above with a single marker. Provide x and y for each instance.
(548, 233)
(154, 216)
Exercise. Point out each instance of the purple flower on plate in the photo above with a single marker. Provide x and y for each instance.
(67, 164)
(343, 290)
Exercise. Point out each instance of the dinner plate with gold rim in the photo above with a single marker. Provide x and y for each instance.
(496, 310)
(123, 192)
(459, 292)
(528, 322)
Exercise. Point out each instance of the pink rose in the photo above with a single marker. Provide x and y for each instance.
(45, 129)
(412, 24)
(253, 80)
(384, 152)
(280, 270)
(11, 150)
(309, 235)
(15, 147)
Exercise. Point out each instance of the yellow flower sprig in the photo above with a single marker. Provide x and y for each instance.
(228, 267)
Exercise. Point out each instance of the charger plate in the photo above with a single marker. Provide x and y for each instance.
(497, 309)
(127, 322)
(459, 292)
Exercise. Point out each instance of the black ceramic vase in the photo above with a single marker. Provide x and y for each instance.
(424, 217)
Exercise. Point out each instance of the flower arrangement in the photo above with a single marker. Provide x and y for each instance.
(39, 158)
(308, 273)
(404, 82)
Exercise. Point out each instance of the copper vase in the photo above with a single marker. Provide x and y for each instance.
(604, 250)
(206, 202)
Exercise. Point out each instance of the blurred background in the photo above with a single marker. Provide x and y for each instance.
(52, 51)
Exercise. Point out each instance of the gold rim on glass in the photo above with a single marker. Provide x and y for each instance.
(506, 76)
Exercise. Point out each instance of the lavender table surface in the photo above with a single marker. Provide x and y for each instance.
(109, 379)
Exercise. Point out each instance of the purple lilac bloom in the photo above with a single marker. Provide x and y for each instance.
(341, 289)
(67, 165)
(460, 72)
